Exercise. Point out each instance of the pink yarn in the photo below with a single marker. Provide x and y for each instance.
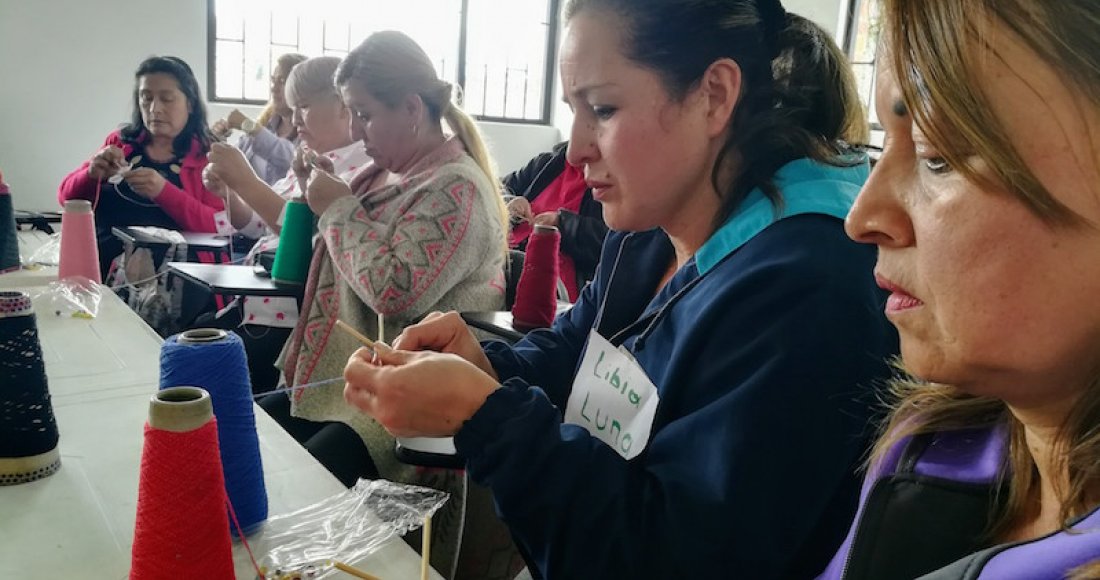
(79, 252)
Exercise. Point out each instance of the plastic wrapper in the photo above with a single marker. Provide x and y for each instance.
(47, 254)
(346, 527)
(75, 297)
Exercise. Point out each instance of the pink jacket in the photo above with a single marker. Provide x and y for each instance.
(194, 208)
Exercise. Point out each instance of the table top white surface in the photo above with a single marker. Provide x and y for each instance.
(79, 522)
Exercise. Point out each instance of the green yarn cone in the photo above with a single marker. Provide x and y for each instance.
(295, 245)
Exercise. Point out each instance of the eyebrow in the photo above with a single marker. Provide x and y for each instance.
(582, 92)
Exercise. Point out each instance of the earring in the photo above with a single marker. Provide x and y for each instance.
(416, 130)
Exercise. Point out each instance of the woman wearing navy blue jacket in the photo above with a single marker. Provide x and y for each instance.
(701, 410)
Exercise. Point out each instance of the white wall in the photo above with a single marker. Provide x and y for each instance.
(66, 81)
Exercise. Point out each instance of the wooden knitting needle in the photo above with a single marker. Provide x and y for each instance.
(426, 549)
(354, 571)
(355, 333)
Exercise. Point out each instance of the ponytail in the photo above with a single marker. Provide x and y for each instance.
(467, 132)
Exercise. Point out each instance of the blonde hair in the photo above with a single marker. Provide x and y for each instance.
(287, 62)
(391, 66)
(936, 48)
(313, 79)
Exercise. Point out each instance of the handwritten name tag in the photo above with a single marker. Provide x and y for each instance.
(612, 398)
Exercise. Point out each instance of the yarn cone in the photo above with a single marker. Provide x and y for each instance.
(295, 249)
(28, 431)
(536, 293)
(215, 360)
(182, 527)
(9, 243)
(79, 252)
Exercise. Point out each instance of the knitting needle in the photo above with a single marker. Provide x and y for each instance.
(426, 549)
(354, 571)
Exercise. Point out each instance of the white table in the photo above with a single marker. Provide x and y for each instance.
(79, 523)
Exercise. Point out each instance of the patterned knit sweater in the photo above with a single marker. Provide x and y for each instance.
(433, 240)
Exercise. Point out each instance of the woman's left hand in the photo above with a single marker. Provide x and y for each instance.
(323, 189)
(145, 181)
(546, 218)
(416, 394)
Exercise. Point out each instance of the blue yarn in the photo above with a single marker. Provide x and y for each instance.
(221, 368)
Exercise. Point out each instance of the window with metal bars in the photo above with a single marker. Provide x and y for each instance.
(501, 53)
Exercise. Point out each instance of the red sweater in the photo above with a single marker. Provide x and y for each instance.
(193, 207)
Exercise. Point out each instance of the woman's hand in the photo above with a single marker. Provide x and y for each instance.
(220, 129)
(323, 189)
(416, 394)
(235, 119)
(446, 333)
(228, 165)
(213, 183)
(145, 181)
(520, 208)
(546, 218)
(106, 163)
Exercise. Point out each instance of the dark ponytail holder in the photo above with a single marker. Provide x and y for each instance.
(773, 19)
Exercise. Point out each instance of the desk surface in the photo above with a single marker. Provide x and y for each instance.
(233, 279)
(195, 241)
(79, 523)
(500, 323)
(29, 241)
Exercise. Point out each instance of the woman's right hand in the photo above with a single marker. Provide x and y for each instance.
(230, 166)
(213, 183)
(447, 333)
(520, 208)
(220, 129)
(106, 163)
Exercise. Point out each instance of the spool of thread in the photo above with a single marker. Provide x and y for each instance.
(28, 431)
(9, 243)
(182, 527)
(79, 252)
(215, 360)
(536, 293)
(295, 249)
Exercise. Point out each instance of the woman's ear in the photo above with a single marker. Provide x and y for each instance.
(721, 89)
(415, 108)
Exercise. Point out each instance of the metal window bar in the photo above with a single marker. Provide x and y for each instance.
(550, 22)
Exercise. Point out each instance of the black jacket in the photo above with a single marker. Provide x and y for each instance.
(581, 234)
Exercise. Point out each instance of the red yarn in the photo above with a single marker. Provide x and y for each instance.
(537, 291)
(182, 530)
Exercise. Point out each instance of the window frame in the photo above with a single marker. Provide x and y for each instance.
(545, 118)
(851, 29)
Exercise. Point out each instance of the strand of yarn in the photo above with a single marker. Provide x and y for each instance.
(221, 368)
(27, 425)
(536, 293)
(181, 529)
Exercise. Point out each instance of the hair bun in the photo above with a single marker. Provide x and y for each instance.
(773, 20)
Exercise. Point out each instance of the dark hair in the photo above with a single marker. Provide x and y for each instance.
(196, 127)
(798, 96)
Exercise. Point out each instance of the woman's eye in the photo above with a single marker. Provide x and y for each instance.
(603, 113)
(937, 165)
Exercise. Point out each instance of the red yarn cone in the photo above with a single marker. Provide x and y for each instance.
(182, 527)
(537, 290)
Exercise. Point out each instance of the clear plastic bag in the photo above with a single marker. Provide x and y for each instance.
(75, 296)
(47, 254)
(343, 528)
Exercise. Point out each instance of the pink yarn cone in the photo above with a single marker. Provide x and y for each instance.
(537, 290)
(79, 252)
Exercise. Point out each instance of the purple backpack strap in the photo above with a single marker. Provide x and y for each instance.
(1050, 557)
(971, 457)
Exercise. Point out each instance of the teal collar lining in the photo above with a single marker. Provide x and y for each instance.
(807, 187)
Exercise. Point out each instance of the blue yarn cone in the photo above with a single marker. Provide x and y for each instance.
(215, 361)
